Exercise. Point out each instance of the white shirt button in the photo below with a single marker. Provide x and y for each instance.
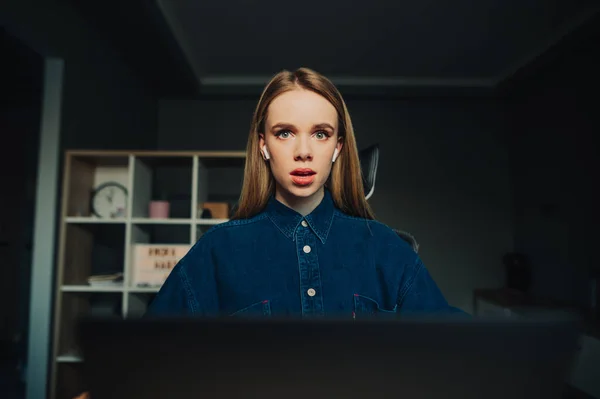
(304, 224)
(311, 292)
(306, 249)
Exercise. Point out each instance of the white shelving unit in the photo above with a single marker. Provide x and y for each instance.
(92, 245)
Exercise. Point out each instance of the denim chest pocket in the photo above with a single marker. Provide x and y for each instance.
(258, 309)
(365, 307)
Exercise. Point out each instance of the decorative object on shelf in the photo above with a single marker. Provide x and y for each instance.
(152, 263)
(106, 280)
(205, 214)
(218, 210)
(109, 200)
(518, 271)
(159, 209)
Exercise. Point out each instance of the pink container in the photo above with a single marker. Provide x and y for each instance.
(159, 209)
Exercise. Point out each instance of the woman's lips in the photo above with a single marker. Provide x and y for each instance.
(303, 177)
(303, 180)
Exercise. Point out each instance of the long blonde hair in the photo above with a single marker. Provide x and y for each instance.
(345, 180)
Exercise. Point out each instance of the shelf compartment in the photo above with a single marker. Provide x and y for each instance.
(92, 249)
(167, 178)
(84, 173)
(219, 179)
(77, 305)
(160, 233)
(70, 380)
(137, 304)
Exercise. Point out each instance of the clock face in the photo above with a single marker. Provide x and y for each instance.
(110, 201)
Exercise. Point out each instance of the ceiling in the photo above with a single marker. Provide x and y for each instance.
(459, 43)
(377, 46)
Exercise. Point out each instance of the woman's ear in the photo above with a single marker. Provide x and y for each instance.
(338, 149)
(335, 154)
(265, 153)
(263, 147)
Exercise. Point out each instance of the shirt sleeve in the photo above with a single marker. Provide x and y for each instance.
(420, 294)
(190, 288)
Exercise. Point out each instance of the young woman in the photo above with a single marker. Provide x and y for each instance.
(303, 242)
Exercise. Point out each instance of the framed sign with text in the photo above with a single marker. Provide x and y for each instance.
(153, 263)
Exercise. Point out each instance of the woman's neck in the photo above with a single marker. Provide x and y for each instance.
(302, 205)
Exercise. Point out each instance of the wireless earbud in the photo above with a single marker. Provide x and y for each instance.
(265, 153)
(335, 155)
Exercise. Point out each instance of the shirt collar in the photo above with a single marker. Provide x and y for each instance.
(287, 220)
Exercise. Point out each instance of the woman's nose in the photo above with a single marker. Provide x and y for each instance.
(303, 149)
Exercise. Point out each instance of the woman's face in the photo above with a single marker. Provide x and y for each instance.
(301, 135)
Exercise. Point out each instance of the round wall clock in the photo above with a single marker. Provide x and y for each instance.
(109, 200)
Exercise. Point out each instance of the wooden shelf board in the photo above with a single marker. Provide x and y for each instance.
(208, 222)
(160, 221)
(69, 359)
(91, 288)
(93, 220)
(141, 290)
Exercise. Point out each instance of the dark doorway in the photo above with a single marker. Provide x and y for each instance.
(21, 79)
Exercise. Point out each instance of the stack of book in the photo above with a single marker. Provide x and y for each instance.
(106, 280)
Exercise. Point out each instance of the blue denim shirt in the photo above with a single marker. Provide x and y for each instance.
(281, 264)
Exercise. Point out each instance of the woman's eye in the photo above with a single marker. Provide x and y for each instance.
(284, 134)
(322, 135)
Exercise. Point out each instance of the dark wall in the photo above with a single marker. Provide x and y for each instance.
(443, 173)
(105, 105)
(554, 129)
(20, 97)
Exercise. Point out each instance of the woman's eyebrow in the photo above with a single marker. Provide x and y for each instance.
(290, 126)
(323, 126)
(282, 126)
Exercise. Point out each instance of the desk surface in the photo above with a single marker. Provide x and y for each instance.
(513, 299)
